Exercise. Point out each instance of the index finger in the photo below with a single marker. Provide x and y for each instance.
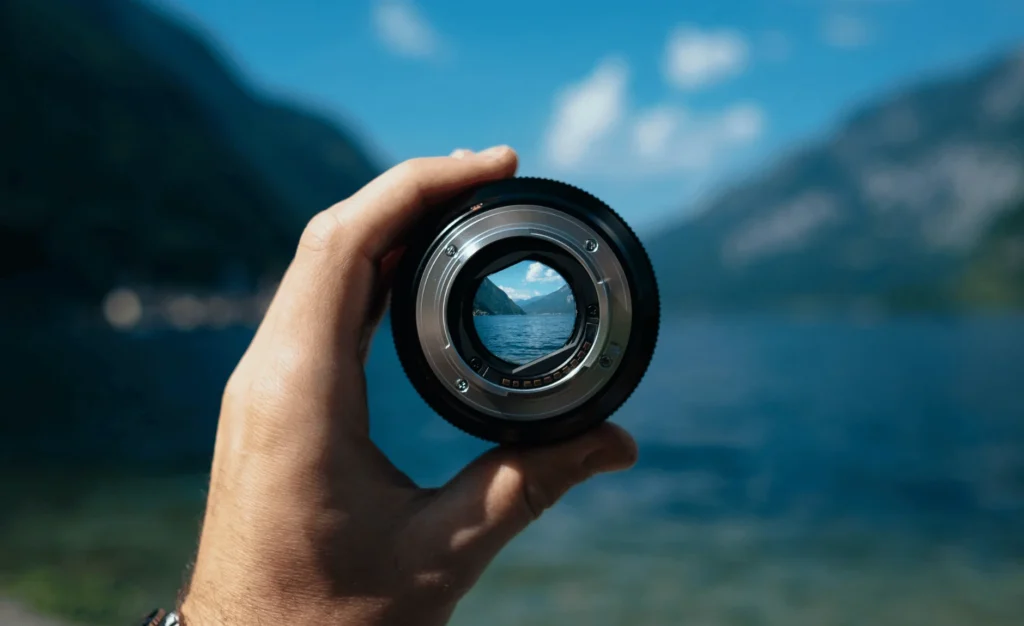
(324, 299)
(372, 220)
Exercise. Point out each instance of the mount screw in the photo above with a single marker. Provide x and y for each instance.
(590, 245)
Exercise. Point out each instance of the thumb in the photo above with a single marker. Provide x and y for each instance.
(499, 494)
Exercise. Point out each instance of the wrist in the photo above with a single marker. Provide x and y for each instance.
(206, 607)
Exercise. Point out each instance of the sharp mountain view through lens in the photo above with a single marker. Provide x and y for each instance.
(842, 437)
(524, 312)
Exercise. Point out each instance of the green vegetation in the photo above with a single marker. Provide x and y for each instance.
(994, 277)
(491, 300)
(97, 548)
(102, 549)
(868, 217)
(116, 170)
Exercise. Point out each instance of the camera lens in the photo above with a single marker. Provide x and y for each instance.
(527, 311)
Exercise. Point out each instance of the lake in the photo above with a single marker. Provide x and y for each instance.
(520, 339)
(791, 472)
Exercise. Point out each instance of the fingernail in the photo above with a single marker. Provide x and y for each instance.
(460, 153)
(619, 453)
(495, 152)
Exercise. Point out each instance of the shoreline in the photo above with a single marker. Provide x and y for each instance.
(15, 613)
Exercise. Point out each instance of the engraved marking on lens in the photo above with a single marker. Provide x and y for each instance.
(499, 398)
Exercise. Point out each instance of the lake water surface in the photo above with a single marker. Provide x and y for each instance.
(520, 339)
(790, 472)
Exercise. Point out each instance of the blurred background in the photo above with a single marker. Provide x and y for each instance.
(832, 191)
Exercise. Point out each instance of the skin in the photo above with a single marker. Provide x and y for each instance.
(307, 522)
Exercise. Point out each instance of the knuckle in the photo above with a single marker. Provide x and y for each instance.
(284, 364)
(444, 584)
(237, 389)
(528, 490)
(410, 169)
(265, 385)
(535, 498)
(322, 232)
(234, 391)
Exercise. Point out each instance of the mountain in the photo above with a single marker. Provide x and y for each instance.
(133, 154)
(560, 301)
(491, 300)
(994, 276)
(309, 161)
(886, 211)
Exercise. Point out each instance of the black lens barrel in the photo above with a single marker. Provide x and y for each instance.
(631, 364)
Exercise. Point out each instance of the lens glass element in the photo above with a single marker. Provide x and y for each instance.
(524, 312)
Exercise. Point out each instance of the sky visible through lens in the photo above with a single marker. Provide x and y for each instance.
(527, 279)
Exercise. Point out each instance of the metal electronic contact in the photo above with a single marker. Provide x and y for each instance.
(561, 393)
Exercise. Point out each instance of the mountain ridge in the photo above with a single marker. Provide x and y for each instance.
(558, 302)
(491, 300)
(118, 172)
(154, 189)
(887, 209)
(286, 151)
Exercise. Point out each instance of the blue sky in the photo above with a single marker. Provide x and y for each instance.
(651, 105)
(527, 279)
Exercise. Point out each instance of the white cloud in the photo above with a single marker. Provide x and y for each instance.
(404, 30)
(845, 31)
(586, 111)
(742, 123)
(670, 139)
(516, 294)
(696, 58)
(594, 131)
(653, 130)
(540, 273)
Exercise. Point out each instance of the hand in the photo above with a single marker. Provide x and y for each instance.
(307, 522)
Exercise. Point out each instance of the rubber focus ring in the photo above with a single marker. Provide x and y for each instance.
(643, 288)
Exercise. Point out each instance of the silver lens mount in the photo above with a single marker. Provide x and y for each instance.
(613, 319)
(609, 283)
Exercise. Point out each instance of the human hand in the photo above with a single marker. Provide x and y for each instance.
(307, 522)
